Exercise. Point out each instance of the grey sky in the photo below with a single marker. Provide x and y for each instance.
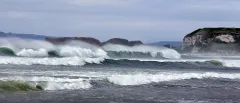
(147, 20)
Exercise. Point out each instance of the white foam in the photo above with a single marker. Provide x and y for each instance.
(33, 53)
(77, 61)
(139, 79)
(52, 83)
(73, 53)
(231, 63)
(226, 62)
(153, 50)
(67, 85)
(87, 52)
(32, 48)
(18, 44)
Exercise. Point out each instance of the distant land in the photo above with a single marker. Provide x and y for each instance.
(163, 43)
(42, 37)
(20, 35)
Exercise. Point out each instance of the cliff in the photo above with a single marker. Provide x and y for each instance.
(214, 40)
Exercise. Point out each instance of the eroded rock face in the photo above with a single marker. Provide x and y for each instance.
(122, 42)
(226, 38)
(212, 40)
(63, 40)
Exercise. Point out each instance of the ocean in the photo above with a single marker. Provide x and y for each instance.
(33, 71)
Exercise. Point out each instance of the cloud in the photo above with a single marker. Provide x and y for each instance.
(14, 14)
(149, 20)
(100, 2)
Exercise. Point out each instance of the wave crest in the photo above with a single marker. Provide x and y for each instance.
(18, 86)
(42, 83)
(152, 51)
(139, 79)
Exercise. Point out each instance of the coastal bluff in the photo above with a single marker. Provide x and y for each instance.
(120, 41)
(212, 40)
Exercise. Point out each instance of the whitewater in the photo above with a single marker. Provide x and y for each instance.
(76, 53)
(36, 70)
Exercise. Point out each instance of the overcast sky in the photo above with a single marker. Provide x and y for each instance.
(147, 20)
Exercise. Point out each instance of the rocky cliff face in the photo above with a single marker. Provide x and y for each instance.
(122, 42)
(216, 40)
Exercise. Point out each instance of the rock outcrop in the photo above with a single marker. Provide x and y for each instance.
(62, 40)
(122, 42)
(132, 43)
(212, 40)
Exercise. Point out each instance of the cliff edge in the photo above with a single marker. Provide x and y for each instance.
(212, 40)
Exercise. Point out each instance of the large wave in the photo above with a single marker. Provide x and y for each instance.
(28, 52)
(71, 53)
(146, 51)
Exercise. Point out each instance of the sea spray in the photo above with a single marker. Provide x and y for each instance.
(70, 53)
(154, 51)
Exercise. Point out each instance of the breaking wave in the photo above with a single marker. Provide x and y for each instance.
(18, 86)
(6, 51)
(140, 51)
(67, 61)
(38, 83)
(143, 78)
(39, 52)
(136, 63)
(38, 48)
(28, 52)
(42, 83)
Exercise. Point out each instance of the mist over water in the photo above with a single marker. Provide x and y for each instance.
(154, 51)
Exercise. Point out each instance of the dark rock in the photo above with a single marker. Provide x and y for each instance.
(132, 43)
(216, 40)
(168, 46)
(62, 40)
(117, 41)
(122, 42)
